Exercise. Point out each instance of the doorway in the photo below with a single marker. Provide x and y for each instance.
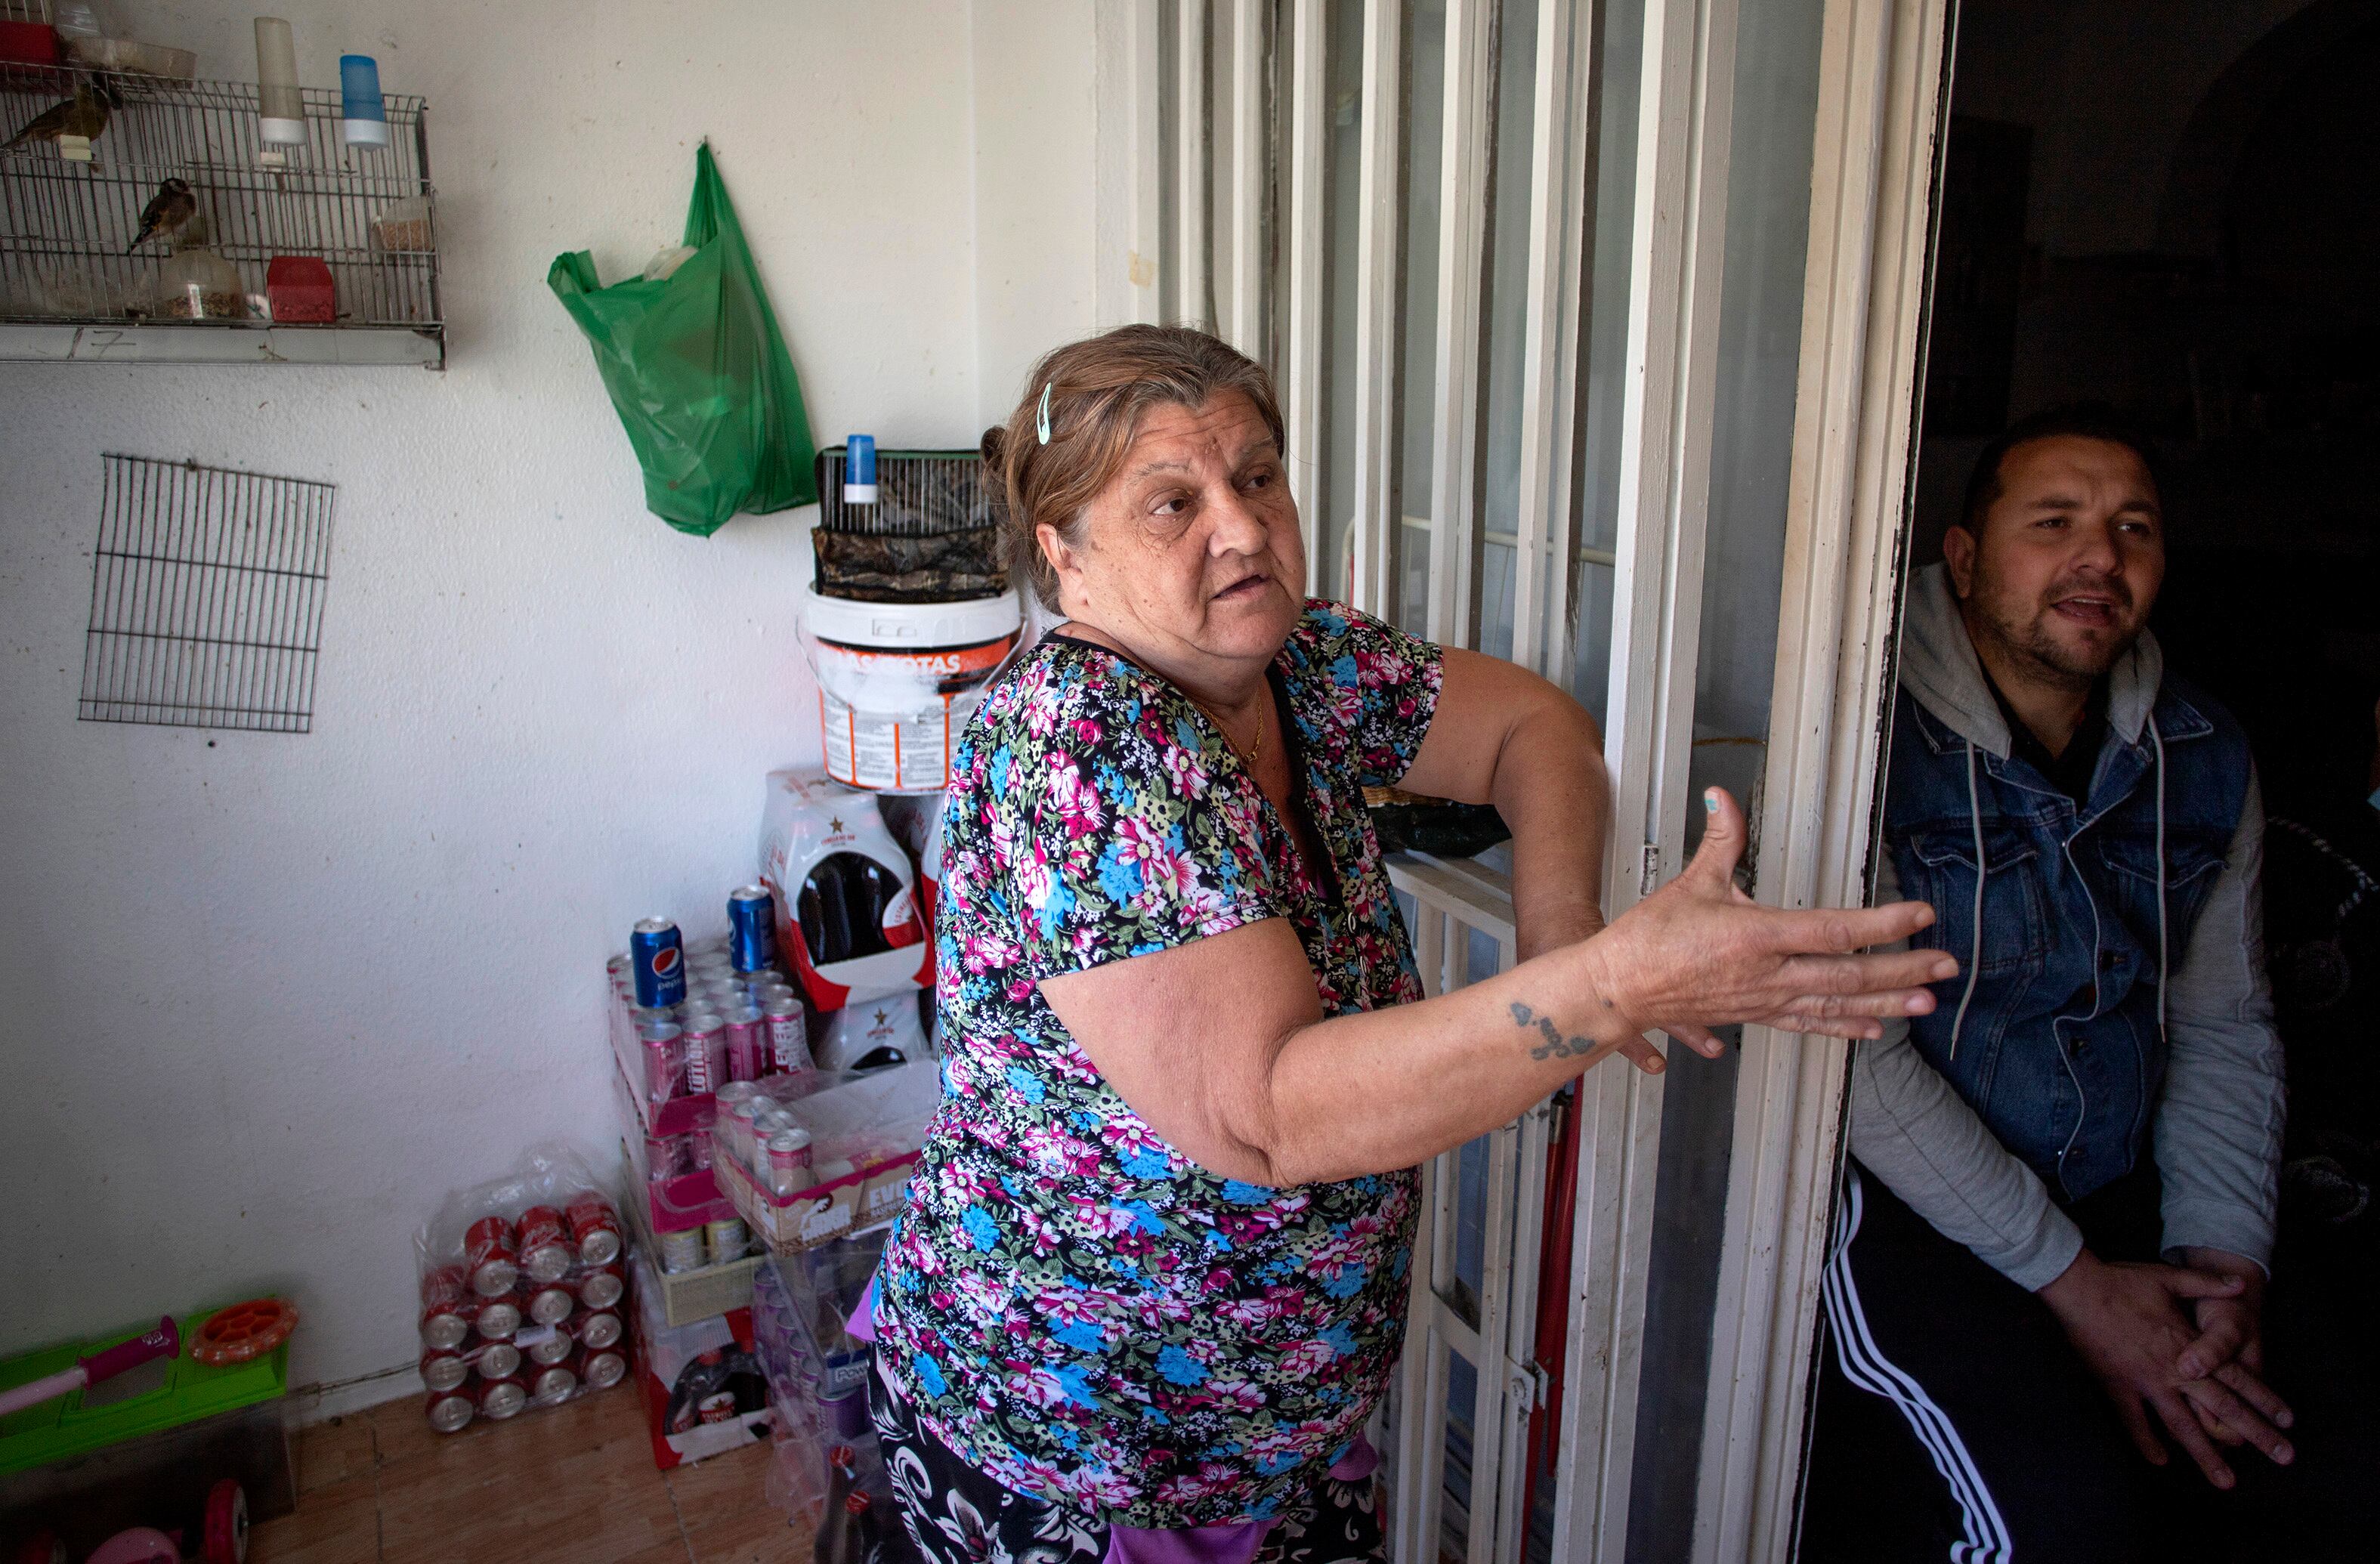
(2175, 224)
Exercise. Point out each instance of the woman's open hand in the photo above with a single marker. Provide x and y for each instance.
(1699, 953)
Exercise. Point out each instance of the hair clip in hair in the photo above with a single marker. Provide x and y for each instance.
(1042, 419)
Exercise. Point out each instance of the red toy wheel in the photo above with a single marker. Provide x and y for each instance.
(226, 1523)
(243, 1331)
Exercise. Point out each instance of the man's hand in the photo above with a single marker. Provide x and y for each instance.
(2231, 1346)
(2129, 1324)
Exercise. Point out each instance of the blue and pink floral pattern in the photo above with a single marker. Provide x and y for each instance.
(1072, 1304)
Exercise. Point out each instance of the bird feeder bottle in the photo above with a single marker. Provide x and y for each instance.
(280, 106)
(364, 118)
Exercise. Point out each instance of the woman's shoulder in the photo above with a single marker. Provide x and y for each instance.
(1354, 649)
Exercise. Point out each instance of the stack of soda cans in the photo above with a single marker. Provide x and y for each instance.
(532, 1314)
(690, 1023)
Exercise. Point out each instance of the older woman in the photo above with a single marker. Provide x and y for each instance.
(1153, 1270)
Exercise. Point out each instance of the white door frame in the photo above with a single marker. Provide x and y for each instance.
(1882, 80)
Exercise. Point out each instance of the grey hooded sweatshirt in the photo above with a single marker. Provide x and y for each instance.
(2217, 1128)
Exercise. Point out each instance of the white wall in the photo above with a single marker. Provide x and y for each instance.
(268, 996)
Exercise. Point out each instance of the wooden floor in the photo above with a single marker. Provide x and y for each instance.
(575, 1483)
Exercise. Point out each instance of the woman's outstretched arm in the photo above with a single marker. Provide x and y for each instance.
(1220, 1044)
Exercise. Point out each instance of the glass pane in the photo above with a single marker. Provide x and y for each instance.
(1454, 1508)
(1504, 305)
(1343, 133)
(1597, 496)
(1425, 135)
(1760, 329)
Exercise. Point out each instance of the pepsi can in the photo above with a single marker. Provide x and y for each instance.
(658, 959)
(752, 928)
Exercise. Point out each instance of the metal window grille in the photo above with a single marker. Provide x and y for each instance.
(206, 598)
(65, 227)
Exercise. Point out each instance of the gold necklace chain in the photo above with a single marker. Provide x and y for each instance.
(1254, 751)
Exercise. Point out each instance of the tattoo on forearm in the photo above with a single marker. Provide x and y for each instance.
(1555, 1045)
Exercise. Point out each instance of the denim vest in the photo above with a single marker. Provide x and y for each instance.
(2062, 1052)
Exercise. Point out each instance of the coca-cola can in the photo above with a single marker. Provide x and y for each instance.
(450, 1411)
(499, 1399)
(602, 1289)
(448, 1308)
(490, 1257)
(550, 1347)
(595, 1228)
(552, 1305)
(498, 1360)
(604, 1370)
(499, 1318)
(444, 1370)
(601, 1330)
(545, 1248)
(556, 1383)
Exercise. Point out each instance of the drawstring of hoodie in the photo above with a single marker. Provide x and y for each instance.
(1976, 950)
(1975, 953)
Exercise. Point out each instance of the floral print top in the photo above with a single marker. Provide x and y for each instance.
(1074, 1305)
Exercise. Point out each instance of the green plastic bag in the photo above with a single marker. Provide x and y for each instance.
(698, 374)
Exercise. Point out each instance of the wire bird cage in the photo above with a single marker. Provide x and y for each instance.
(930, 536)
(69, 255)
(206, 598)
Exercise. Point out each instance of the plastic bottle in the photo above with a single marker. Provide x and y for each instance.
(77, 19)
(280, 106)
(363, 115)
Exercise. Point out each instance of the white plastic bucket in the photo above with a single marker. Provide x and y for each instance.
(898, 681)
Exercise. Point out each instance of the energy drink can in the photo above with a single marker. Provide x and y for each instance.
(751, 929)
(705, 1051)
(657, 959)
(748, 1044)
(789, 1034)
(663, 1043)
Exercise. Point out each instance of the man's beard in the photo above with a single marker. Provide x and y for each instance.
(2028, 638)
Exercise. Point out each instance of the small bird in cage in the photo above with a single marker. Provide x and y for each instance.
(84, 115)
(168, 212)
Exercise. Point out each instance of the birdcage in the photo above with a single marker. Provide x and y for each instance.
(929, 535)
(78, 280)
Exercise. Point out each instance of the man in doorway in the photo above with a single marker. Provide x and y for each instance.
(2050, 1256)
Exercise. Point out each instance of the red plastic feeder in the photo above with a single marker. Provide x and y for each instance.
(298, 288)
(28, 44)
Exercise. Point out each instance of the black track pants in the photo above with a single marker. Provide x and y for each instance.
(1953, 1420)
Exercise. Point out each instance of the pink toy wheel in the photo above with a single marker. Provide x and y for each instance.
(141, 1544)
(226, 1523)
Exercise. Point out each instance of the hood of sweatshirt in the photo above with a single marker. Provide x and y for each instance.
(1942, 673)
